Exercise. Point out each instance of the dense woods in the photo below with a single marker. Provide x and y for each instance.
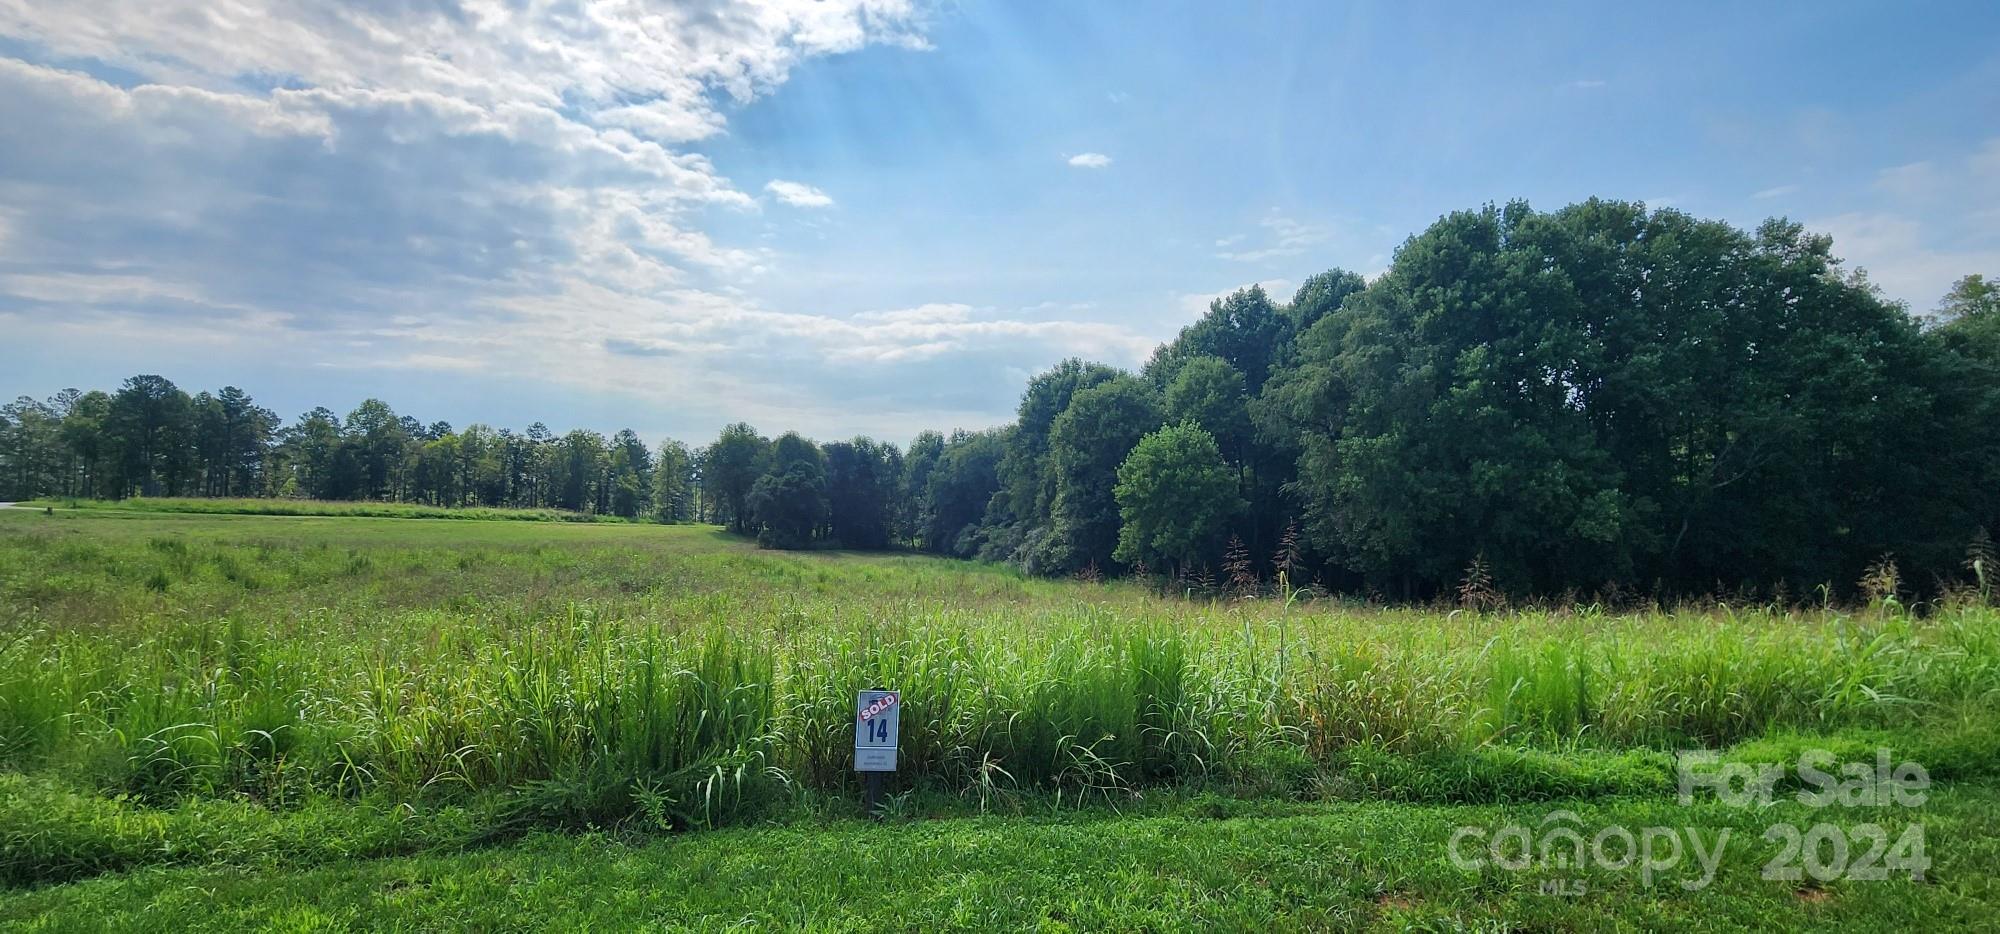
(1602, 399)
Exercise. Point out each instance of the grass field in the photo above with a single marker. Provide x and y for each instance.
(221, 720)
(265, 506)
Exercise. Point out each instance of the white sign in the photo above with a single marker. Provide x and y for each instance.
(877, 717)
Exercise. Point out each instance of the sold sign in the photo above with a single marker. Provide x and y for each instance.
(877, 717)
(882, 703)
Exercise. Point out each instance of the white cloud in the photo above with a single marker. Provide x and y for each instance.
(922, 314)
(1902, 258)
(1090, 160)
(797, 194)
(1938, 222)
(664, 121)
(1911, 181)
(419, 361)
(446, 185)
(612, 83)
(936, 330)
(100, 288)
(1775, 192)
(1282, 237)
(815, 371)
(1586, 84)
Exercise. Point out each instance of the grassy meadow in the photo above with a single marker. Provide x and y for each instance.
(442, 720)
(268, 506)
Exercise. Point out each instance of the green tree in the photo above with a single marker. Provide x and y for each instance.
(1969, 319)
(1028, 487)
(1176, 497)
(83, 434)
(629, 475)
(322, 462)
(232, 435)
(1607, 394)
(379, 441)
(1468, 371)
(1086, 444)
(1968, 352)
(1244, 329)
(149, 426)
(31, 450)
(434, 477)
(860, 491)
(673, 483)
(959, 488)
(729, 468)
(914, 493)
(1970, 297)
(788, 502)
(528, 463)
(580, 461)
(1210, 393)
(1321, 295)
(480, 467)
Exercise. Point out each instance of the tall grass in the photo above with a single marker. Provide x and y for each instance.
(605, 675)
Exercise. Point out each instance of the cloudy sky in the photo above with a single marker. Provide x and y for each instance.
(879, 215)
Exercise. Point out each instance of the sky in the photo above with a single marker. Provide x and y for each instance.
(881, 216)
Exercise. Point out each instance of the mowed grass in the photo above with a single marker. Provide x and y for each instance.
(1272, 867)
(261, 700)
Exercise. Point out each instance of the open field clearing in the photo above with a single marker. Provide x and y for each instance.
(311, 507)
(264, 700)
(920, 465)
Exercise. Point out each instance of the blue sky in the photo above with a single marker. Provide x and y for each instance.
(884, 215)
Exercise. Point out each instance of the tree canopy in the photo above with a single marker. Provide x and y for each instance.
(1602, 398)
(1176, 498)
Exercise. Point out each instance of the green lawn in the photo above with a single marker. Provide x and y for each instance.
(1282, 867)
(221, 721)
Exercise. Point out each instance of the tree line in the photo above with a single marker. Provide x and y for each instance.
(150, 438)
(1601, 398)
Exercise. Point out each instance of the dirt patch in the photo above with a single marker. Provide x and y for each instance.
(1394, 901)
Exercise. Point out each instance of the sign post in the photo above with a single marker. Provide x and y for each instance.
(878, 717)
